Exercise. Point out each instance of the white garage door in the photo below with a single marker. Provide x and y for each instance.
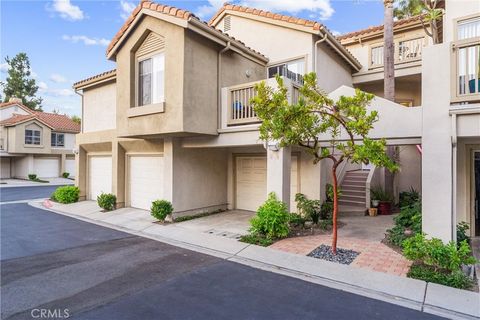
(251, 190)
(146, 180)
(70, 167)
(5, 168)
(46, 167)
(99, 176)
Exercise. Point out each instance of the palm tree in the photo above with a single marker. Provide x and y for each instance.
(388, 52)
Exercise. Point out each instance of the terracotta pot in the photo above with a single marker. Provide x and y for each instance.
(385, 208)
(372, 212)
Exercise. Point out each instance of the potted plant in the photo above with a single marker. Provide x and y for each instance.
(384, 199)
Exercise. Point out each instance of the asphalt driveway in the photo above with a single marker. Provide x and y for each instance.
(58, 263)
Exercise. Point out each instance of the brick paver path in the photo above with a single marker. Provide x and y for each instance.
(373, 255)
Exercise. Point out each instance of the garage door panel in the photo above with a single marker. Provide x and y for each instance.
(146, 180)
(251, 182)
(46, 167)
(99, 176)
(70, 167)
(5, 168)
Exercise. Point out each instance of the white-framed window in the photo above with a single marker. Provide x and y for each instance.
(469, 28)
(32, 137)
(293, 70)
(151, 80)
(58, 139)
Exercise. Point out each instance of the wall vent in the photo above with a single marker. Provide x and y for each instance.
(152, 42)
(227, 24)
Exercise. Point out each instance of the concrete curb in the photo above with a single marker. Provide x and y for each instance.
(414, 294)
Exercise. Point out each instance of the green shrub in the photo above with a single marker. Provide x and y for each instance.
(65, 175)
(434, 253)
(107, 201)
(408, 198)
(32, 176)
(256, 239)
(161, 209)
(326, 224)
(379, 194)
(462, 229)
(326, 210)
(272, 219)
(410, 217)
(296, 219)
(456, 279)
(329, 192)
(309, 209)
(66, 194)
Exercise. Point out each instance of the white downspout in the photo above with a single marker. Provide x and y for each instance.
(315, 51)
(219, 81)
(81, 122)
(454, 177)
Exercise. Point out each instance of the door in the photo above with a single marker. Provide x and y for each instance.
(5, 168)
(476, 168)
(46, 167)
(251, 182)
(146, 180)
(99, 176)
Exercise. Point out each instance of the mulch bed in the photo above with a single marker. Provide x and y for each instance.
(343, 256)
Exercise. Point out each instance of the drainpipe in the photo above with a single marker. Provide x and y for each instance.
(81, 122)
(454, 177)
(325, 35)
(219, 81)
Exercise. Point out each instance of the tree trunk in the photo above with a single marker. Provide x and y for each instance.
(388, 52)
(335, 208)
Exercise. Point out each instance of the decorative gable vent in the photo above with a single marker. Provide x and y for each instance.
(227, 23)
(152, 42)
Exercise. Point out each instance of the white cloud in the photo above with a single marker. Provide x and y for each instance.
(336, 33)
(67, 10)
(318, 9)
(4, 67)
(61, 92)
(42, 86)
(57, 78)
(127, 8)
(87, 40)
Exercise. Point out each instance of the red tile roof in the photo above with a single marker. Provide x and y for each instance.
(267, 14)
(379, 28)
(171, 11)
(57, 122)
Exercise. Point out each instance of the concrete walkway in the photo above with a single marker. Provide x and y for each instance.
(6, 183)
(411, 293)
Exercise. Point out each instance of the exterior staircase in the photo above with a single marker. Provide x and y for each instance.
(353, 191)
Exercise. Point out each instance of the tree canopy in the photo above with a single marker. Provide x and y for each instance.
(19, 82)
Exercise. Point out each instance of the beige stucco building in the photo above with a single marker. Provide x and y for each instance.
(174, 120)
(33, 142)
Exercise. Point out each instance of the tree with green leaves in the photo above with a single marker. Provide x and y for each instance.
(19, 82)
(408, 8)
(76, 119)
(315, 115)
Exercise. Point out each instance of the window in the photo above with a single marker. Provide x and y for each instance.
(58, 139)
(376, 58)
(151, 80)
(293, 70)
(32, 137)
(469, 28)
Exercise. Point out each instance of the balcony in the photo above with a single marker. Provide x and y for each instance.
(237, 110)
(466, 70)
(405, 51)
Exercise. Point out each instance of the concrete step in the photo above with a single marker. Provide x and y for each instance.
(352, 203)
(357, 173)
(352, 198)
(352, 188)
(353, 183)
(354, 193)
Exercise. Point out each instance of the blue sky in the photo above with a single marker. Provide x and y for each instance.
(66, 39)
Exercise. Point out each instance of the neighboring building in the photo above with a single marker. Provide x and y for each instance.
(33, 142)
(174, 121)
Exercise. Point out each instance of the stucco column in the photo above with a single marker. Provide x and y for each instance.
(63, 158)
(118, 173)
(81, 172)
(168, 149)
(278, 173)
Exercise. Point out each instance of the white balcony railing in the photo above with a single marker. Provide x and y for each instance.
(466, 70)
(237, 109)
(405, 51)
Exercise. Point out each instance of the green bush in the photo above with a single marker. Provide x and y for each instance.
(296, 219)
(326, 210)
(329, 192)
(434, 253)
(65, 175)
(408, 198)
(379, 194)
(410, 217)
(32, 176)
(66, 194)
(107, 201)
(309, 209)
(161, 209)
(272, 219)
(456, 279)
(462, 229)
(256, 239)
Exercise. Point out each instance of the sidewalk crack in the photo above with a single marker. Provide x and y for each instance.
(424, 297)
